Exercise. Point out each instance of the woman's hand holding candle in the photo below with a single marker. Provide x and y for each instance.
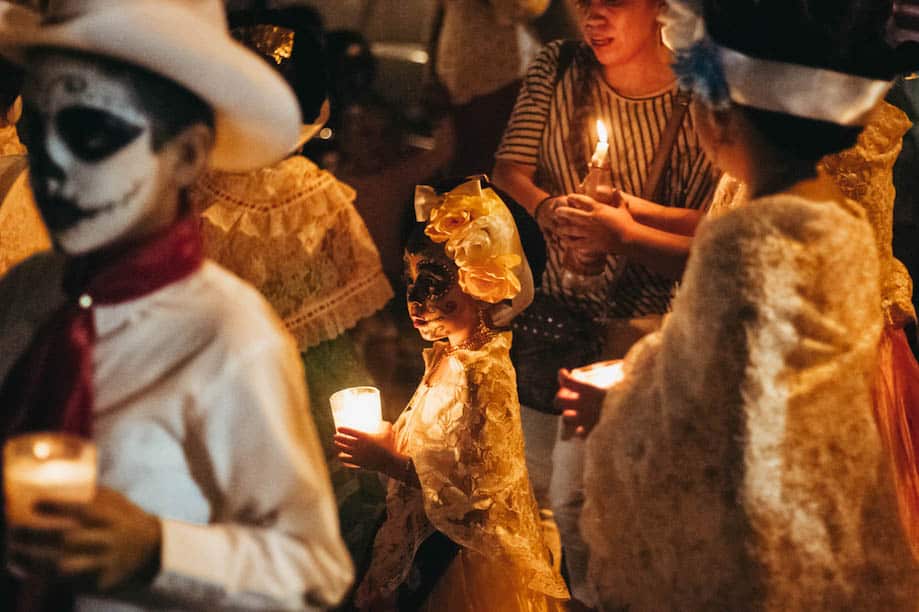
(107, 544)
(588, 225)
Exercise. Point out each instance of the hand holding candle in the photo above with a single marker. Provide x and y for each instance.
(585, 265)
(581, 394)
(363, 438)
(357, 408)
(603, 375)
(46, 467)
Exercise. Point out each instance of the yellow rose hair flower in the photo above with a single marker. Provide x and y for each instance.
(480, 236)
(492, 281)
(454, 215)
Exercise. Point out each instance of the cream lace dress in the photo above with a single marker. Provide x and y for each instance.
(22, 231)
(292, 231)
(738, 465)
(464, 435)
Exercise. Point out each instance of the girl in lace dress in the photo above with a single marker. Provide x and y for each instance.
(455, 455)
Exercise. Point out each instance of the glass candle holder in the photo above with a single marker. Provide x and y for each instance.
(603, 375)
(358, 408)
(46, 467)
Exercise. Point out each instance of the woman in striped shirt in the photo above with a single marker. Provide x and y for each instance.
(620, 73)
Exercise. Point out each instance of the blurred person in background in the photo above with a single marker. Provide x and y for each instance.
(293, 232)
(481, 51)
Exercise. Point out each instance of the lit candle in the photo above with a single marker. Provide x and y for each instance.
(604, 375)
(601, 153)
(358, 408)
(46, 467)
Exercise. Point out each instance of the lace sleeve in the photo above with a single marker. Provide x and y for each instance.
(468, 475)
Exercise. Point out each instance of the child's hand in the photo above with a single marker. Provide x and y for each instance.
(370, 451)
(110, 543)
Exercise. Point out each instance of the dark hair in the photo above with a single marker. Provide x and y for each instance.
(802, 139)
(172, 107)
(305, 69)
(351, 65)
(419, 243)
(841, 35)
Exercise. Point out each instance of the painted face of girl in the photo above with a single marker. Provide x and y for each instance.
(619, 30)
(95, 175)
(436, 304)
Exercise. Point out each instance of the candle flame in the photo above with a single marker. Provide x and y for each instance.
(601, 131)
(42, 450)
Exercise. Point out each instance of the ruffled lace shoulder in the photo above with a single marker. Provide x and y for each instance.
(292, 231)
(864, 173)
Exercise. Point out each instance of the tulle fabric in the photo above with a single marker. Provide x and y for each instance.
(896, 408)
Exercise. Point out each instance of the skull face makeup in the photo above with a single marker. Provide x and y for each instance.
(436, 304)
(96, 177)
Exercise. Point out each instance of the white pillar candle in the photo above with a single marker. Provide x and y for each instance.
(601, 153)
(358, 408)
(46, 467)
(604, 375)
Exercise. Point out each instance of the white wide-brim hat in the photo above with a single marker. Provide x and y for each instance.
(186, 41)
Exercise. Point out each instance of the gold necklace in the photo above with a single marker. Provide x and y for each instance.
(479, 338)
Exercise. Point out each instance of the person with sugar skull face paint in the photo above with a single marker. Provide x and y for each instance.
(180, 373)
(460, 507)
(738, 464)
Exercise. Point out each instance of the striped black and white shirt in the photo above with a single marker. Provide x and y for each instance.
(538, 135)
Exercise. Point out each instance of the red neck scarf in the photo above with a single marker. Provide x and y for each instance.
(51, 385)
